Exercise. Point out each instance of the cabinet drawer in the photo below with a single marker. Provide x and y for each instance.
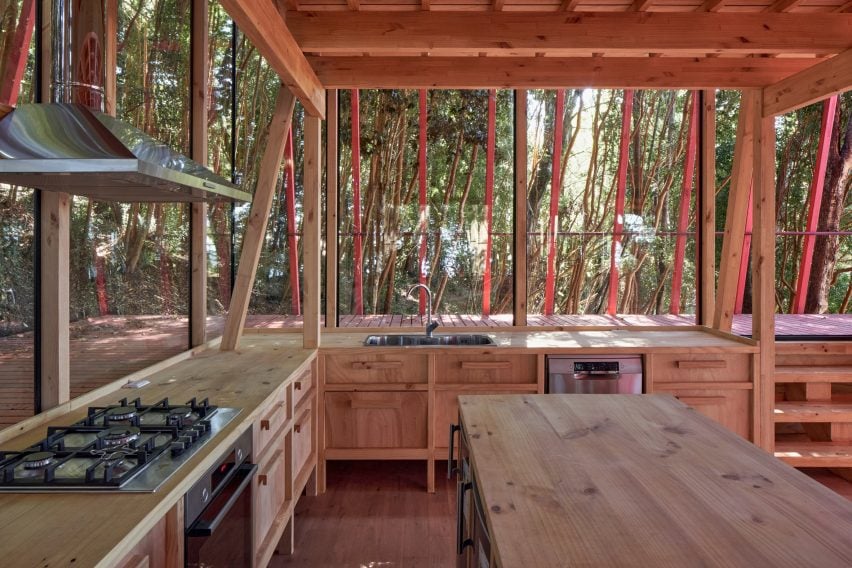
(301, 387)
(375, 419)
(270, 493)
(268, 428)
(458, 368)
(730, 408)
(379, 368)
(700, 367)
(302, 439)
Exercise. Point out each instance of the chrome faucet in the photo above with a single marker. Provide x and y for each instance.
(430, 325)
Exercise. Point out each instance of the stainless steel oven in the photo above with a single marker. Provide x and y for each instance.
(218, 512)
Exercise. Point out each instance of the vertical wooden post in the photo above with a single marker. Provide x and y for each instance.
(829, 108)
(735, 219)
(270, 164)
(292, 243)
(55, 252)
(424, 204)
(16, 59)
(311, 230)
(520, 233)
(331, 196)
(555, 192)
(198, 214)
(110, 56)
(685, 200)
(707, 227)
(763, 272)
(358, 243)
(620, 194)
(489, 200)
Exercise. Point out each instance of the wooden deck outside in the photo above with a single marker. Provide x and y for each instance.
(107, 348)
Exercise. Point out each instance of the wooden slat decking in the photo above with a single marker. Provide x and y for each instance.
(107, 348)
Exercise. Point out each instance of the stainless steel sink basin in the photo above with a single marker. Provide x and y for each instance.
(457, 339)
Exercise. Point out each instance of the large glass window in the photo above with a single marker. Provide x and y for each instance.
(611, 221)
(455, 236)
(129, 284)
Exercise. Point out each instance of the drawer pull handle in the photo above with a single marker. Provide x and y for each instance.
(264, 424)
(485, 365)
(262, 479)
(297, 427)
(297, 385)
(706, 364)
(370, 365)
(375, 404)
(699, 400)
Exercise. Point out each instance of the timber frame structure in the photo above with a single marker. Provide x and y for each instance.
(782, 54)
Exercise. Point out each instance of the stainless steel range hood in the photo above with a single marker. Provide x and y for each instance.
(70, 148)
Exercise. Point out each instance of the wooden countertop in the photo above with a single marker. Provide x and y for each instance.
(622, 340)
(641, 480)
(86, 529)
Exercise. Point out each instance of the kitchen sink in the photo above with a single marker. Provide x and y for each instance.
(457, 339)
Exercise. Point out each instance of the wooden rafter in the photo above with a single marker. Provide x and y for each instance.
(553, 72)
(783, 5)
(735, 220)
(262, 23)
(527, 33)
(255, 230)
(498, 5)
(569, 5)
(712, 5)
(641, 5)
(354, 4)
(830, 77)
(845, 7)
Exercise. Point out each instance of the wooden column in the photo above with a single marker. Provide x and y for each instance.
(489, 200)
(707, 227)
(685, 203)
(110, 56)
(332, 181)
(763, 271)
(555, 191)
(55, 252)
(735, 219)
(520, 233)
(198, 214)
(620, 195)
(261, 203)
(311, 230)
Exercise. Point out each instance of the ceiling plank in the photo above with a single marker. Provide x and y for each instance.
(498, 5)
(782, 6)
(552, 72)
(827, 78)
(641, 5)
(845, 8)
(263, 25)
(576, 33)
(354, 4)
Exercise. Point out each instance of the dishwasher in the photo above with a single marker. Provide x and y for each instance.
(572, 374)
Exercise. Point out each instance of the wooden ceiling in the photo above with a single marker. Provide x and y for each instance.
(684, 44)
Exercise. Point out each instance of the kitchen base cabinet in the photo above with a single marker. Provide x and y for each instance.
(375, 420)
(286, 452)
(730, 408)
(162, 546)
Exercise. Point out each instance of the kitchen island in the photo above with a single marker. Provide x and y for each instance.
(638, 480)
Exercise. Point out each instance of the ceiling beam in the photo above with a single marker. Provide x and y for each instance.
(569, 5)
(782, 5)
(827, 78)
(552, 72)
(263, 25)
(567, 34)
(845, 8)
(712, 6)
(641, 5)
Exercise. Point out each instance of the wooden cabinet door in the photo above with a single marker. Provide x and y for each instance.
(376, 419)
(730, 408)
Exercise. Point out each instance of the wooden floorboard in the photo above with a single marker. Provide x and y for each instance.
(376, 514)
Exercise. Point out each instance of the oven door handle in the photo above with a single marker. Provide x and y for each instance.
(450, 469)
(203, 527)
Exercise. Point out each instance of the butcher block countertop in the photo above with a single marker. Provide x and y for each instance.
(622, 340)
(641, 480)
(86, 529)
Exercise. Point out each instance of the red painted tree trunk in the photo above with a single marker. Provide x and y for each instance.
(421, 177)
(555, 191)
(292, 243)
(829, 108)
(620, 193)
(16, 60)
(685, 201)
(357, 255)
(489, 200)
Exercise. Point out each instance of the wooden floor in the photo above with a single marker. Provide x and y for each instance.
(376, 514)
(107, 348)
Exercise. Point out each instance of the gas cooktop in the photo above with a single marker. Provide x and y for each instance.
(129, 446)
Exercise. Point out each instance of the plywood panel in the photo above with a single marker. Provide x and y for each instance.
(375, 420)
